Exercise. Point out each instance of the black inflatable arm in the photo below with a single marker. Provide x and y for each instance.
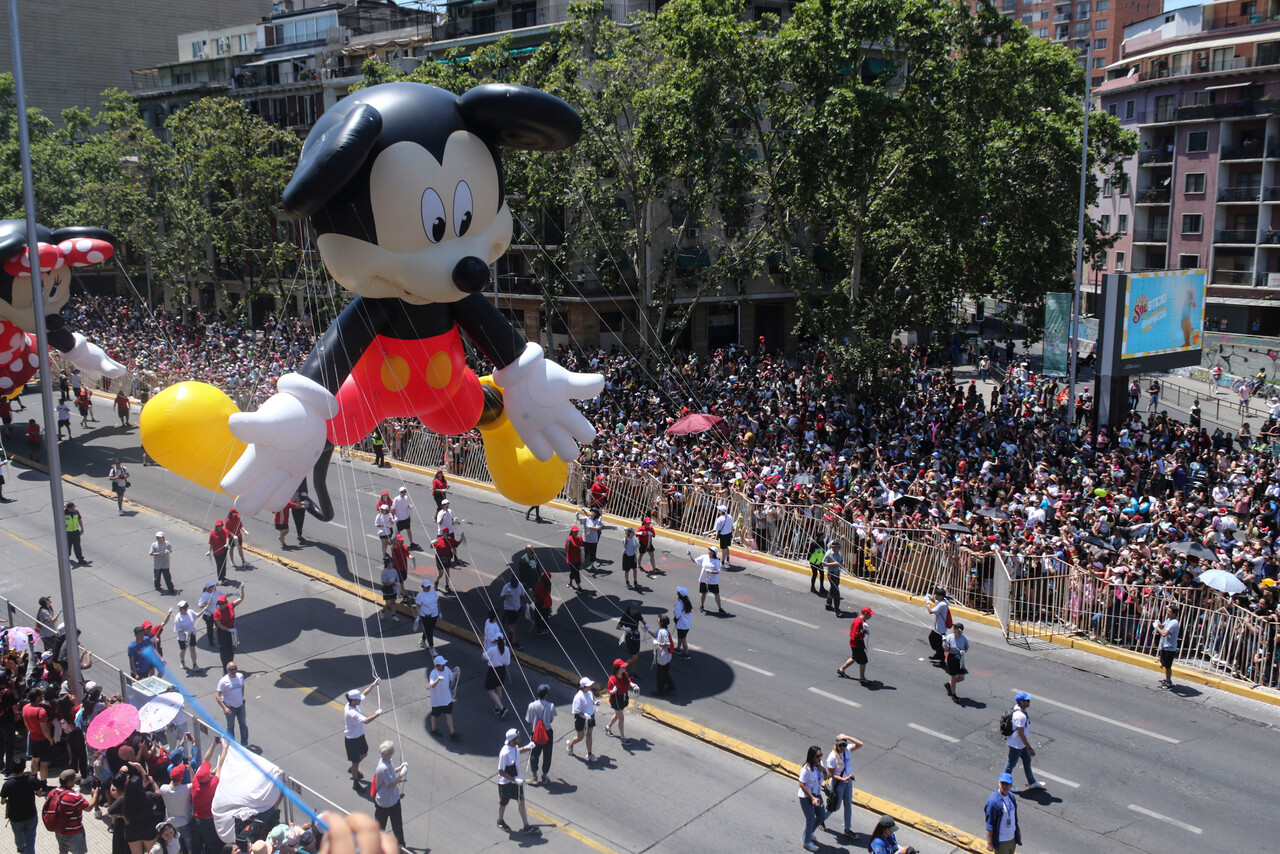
(492, 333)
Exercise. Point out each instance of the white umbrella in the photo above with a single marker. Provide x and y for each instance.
(1222, 581)
(158, 712)
(22, 638)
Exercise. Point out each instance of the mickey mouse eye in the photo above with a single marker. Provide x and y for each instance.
(462, 208)
(433, 215)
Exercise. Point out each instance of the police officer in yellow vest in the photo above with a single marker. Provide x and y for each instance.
(75, 526)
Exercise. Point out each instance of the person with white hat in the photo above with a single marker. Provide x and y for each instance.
(510, 783)
(401, 508)
(205, 605)
(723, 528)
(708, 578)
(584, 716)
(354, 722)
(160, 551)
(426, 610)
(385, 523)
(184, 626)
(441, 681)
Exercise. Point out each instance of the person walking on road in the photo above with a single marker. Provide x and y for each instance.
(122, 408)
(33, 439)
(574, 548)
(119, 477)
(426, 610)
(402, 509)
(1004, 833)
(1243, 408)
(682, 614)
(833, 565)
(812, 774)
(1153, 396)
(184, 626)
(723, 529)
(160, 552)
(280, 520)
(592, 526)
(840, 772)
(298, 505)
(645, 535)
(584, 716)
(441, 683)
(630, 559)
(353, 724)
(858, 631)
(940, 609)
(140, 663)
(954, 647)
(664, 647)
(1019, 743)
(64, 420)
(439, 488)
(75, 527)
(708, 578)
(510, 782)
(236, 535)
(620, 688)
(218, 547)
(513, 597)
(386, 791)
(497, 656)
(1168, 631)
(206, 605)
(385, 524)
(224, 621)
(230, 696)
(541, 711)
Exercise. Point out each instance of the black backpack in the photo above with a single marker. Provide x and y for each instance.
(1006, 723)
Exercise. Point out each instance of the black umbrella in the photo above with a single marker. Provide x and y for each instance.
(1097, 543)
(1192, 548)
(907, 501)
(994, 513)
(956, 528)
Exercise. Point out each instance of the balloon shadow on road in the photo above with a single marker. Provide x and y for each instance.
(282, 623)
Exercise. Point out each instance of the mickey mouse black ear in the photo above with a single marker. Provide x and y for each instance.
(331, 159)
(513, 116)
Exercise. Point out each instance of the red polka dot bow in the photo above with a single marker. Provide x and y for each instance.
(72, 252)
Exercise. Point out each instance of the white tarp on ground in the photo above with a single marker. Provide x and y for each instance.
(244, 790)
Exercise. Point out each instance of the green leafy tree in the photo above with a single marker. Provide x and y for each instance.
(56, 185)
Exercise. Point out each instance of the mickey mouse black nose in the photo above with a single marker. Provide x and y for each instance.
(471, 274)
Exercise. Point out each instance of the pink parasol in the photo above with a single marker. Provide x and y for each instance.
(697, 423)
(22, 637)
(112, 726)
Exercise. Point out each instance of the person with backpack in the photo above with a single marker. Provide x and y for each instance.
(63, 813)
(938, 606)
(540, 715)
(1016, 725)
(19, 797)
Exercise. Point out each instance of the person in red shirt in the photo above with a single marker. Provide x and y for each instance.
(599, 492)
(281, 520)
(39, 735)
(439, 488)
(573, 557)
(646, 534)
(235, 535)
(6, 415)
(122, 408)
(858, 645)
(204, 785)
(154, 630)
(218, 548)
(33, 438)
(542, 601)
(224, 621)
(620, 686)
(401, 558)
(444, 546)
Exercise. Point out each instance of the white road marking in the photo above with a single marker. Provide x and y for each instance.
(337, 525)
(835, 697)
(934, 733)
(1153, 814)
(527, 540)
(759, 670)
(774, 614)
(1040, 772)
(1112, 721)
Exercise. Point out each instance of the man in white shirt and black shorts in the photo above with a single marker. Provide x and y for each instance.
(708, 578)
(353, 730)
(723, 528)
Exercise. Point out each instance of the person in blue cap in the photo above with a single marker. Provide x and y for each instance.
(1019, 743)
(1004, 834)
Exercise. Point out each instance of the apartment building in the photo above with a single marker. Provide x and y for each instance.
(1201, 87)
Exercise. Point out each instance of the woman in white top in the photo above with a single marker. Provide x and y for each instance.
(426, 608)
(683, 613)
(497, 656)
(630, 552)
(812, 773)
(184, 626)
(955, 645)
(584, 716)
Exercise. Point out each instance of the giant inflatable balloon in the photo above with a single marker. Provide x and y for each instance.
(185, 429)
(58, 252)
(404, 190)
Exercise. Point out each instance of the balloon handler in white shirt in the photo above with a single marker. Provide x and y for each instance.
(510, 783)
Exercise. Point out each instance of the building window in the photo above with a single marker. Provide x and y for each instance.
(1198, 141)
(1119, 262)
(1099, 44)
(1122, 224)
(244, 42)
(197, 50)
(1082, 11)
(1192, 223)
(1188, 262)
(1128, 111)
(1194, 183)
(1042, 33)
(1104, 223)
(1099, 62)
(1028, 17)
(1102, 5)
(1111, 109)
(1082, 29)
(1100, 25)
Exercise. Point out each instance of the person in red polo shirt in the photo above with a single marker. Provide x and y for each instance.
(599, 492)
(235, 535)
(573, 557)
(645, 534)
(203, 787)
(401, 559)
(39, 735)
(218, 548)
(70, 805)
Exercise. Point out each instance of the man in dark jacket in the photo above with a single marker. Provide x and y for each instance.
(1004, 835)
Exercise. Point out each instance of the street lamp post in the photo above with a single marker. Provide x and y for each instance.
(1084, 177)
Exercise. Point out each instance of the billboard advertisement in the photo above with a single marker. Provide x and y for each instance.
(1057, 330)
(1155, 321)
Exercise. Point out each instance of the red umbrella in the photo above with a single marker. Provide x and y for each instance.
(112, 726)
(697, 423)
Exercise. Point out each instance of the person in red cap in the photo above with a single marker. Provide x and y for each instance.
(203, 787)
(444, 559)
(573, 548)
(646, 534)
(620, 688)
(401, 559)
(281, 521)
(218, 541)
(858, 645)
(235, 534)
(599, 492)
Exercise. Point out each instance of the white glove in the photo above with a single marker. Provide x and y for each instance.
(92, 360)
(537, 396)
(285, 436)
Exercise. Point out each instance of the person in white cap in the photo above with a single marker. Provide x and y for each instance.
(401, 508)
(723, 528)
(584, 716)
(426, 610)
(510, 783)
(207, 602)
(160, 551)
(354, 722)
(708, 578)
(385, 523)
(682, 614)
(441, 682)
(184, 626)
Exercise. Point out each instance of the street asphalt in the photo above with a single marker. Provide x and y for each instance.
(1126, 764)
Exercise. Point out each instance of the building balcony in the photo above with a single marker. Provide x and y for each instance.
(1152, 235)
(1242, 152)
(1238, 109)
(1232, 277)
(1155, 157)
(1239, 194)
(1238, 237)
(1153, 196)
(1062, 18)
(342, 72)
